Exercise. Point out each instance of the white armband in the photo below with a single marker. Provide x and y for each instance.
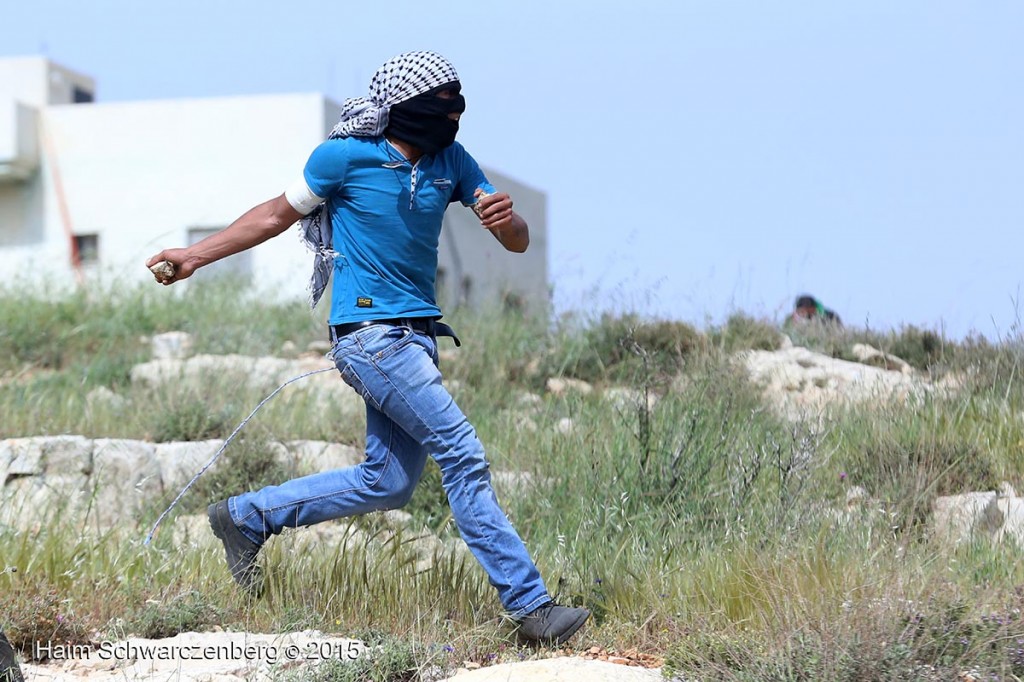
(301, 197)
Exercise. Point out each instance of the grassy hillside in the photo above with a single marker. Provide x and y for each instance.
(705, 530)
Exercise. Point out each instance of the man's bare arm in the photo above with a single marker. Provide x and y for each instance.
(255, 226)
(516, 236)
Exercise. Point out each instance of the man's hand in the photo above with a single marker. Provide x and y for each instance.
(496, 214)
(179, 258)
(495, 210)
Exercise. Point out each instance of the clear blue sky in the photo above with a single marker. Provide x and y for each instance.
(700, 157)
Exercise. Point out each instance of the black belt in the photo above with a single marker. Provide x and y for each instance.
(423, 325)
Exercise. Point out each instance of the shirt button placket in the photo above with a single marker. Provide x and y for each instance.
(413, 176)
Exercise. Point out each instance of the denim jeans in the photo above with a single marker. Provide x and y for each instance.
(409, 415)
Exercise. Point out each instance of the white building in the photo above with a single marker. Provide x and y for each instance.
(90, 190)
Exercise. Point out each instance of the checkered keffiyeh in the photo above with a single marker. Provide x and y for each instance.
(400, 78)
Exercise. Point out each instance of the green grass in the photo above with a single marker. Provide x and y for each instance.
(702, 530)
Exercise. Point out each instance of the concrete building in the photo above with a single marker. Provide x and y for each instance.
(89, 190)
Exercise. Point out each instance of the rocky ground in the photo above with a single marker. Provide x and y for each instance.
(796, 381)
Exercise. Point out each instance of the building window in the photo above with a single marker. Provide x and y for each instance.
(81, 95)
(88, 248)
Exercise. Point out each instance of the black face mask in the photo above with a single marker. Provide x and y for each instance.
(423, 121)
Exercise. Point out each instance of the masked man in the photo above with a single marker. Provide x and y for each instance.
(371, 199)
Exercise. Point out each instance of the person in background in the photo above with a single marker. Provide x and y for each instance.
(809, 309)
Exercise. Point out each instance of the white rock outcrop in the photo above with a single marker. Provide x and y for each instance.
(125, 474)
(869, 355)
(260, 374)
(171, 346)
(559, 386)
(802, 383)
(994, 516)
(109, 481)
(627, 399)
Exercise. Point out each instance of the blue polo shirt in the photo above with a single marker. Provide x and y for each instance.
(386, 217)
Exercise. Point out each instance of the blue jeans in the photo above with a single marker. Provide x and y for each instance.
(409, 414)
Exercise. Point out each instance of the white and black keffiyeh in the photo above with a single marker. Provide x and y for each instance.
(400, 78)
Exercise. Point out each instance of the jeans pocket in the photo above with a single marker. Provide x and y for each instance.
(391, 342)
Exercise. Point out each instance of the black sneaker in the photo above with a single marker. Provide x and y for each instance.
(552, 624)
(9, 670)
(240, 551)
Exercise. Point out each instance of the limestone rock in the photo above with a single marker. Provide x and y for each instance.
(681, 383)
(34, 501)
(528, 401)
(800, 382)
(67, 454)
(193, 530)
(179, 462)
(869, 355)
(1014, 524)
(629, 399)
(102, 398)
(47, 454)
(196, 371)
(426, 546)
(559, 386)
(112, 479)
(171, 346)
(974, 515)
(856, 496)
(260, 374)
(342, 535)
(517, 482)
(125, 474)
(525, 424)
(319, 347)
(6, 456)
(313, 456)
(396, 518)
